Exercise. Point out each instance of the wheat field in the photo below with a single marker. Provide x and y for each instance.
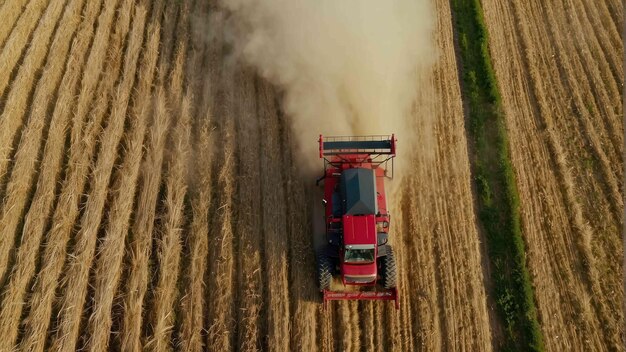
(151, 197)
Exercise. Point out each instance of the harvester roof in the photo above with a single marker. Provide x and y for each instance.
(358, 191)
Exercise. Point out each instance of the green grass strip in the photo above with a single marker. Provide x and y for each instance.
(498, 199)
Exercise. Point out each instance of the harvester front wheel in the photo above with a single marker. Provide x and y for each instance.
(324, 272)
(389, 270)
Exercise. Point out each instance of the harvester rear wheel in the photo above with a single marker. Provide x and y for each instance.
(324, 271)
(389, 270)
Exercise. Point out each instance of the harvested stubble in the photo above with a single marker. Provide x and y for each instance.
(22, 174)
(273, 223)
(439, 234)
(77, 272)
(197, 243)
(563, 102)
(249, 227)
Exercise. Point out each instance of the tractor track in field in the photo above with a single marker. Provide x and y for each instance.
(152, 195)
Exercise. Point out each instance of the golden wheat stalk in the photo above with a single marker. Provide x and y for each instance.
(142, 226)
(53, 152)
(111, 253)
(81, 151)
(176, 188)
(170, 244)
(77, 273)
(169, 34)
(18, 40)
(193, 301)
(11, 120)
(221, 312)
(10, 11)
(23, 171)
(16, 104)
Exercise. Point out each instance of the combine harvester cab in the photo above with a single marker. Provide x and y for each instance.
(357, 220)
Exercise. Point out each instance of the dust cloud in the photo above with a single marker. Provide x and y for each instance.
(347, 67)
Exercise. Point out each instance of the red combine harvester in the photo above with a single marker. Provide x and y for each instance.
(357, 220)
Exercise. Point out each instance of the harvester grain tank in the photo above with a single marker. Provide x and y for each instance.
(357, 220)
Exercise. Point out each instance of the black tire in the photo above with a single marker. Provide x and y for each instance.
(324, 272)
(388, 270)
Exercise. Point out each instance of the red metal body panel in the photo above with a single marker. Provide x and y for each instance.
(387, 295)
(358, 270)
(359, 229)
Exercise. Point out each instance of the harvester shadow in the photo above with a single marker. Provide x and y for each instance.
(312, 241)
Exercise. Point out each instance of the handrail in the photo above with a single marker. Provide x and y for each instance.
(372, 144)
